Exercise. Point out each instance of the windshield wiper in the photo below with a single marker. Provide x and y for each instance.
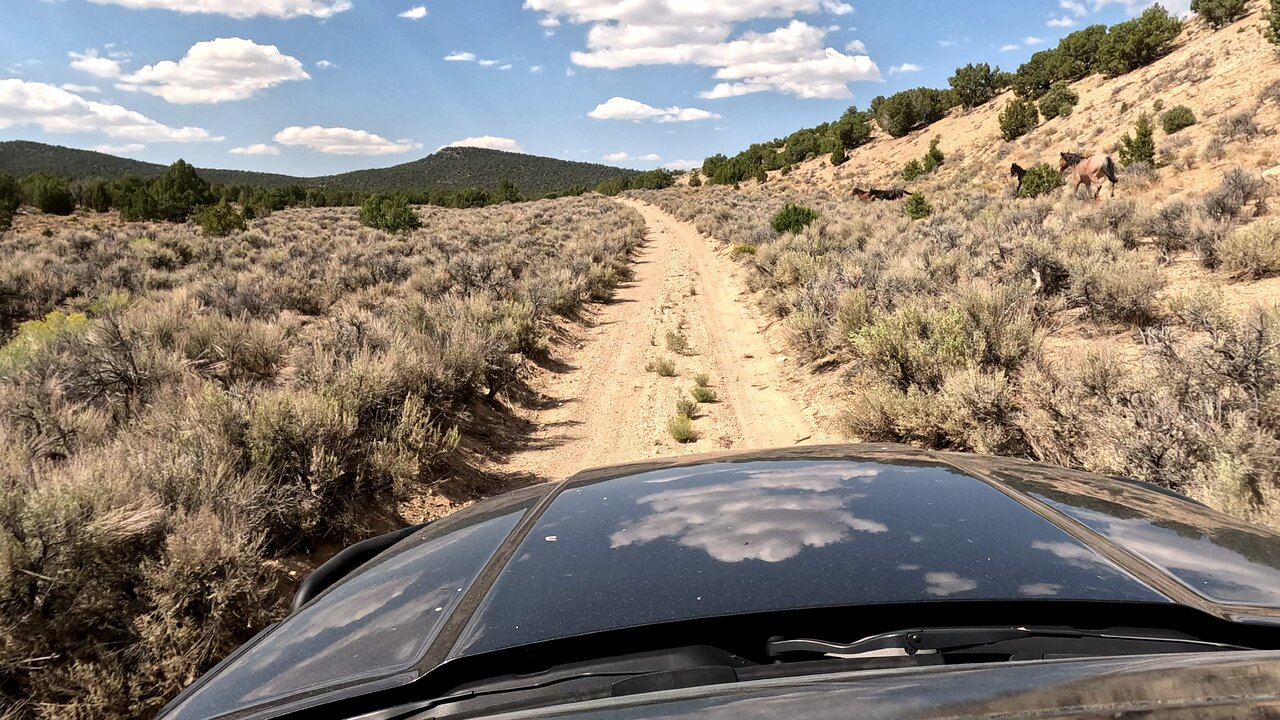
(957, 639)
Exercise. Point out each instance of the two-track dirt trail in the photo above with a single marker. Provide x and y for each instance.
(601, 406)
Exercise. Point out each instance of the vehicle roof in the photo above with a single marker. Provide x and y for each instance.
(731, 534)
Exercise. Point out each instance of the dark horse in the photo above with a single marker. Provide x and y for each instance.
(1089, 171)
(1019, 172)
(874, 194)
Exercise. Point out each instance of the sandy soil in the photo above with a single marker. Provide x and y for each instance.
(600, 406)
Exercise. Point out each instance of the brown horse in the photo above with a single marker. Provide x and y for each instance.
(1089, 171)
(1019, 172)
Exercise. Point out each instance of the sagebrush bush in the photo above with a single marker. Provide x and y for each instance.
(677, 342)
(1252, 251)
(703, 394)
(1239, 125)
(1177, 118)
(1040, 180)
(662, 367)
(680, 427)
(1238, 190)
(793, 218)
(687, 407)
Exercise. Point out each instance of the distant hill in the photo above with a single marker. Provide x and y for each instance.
(448, 169)
(458, 168)
(21, 157)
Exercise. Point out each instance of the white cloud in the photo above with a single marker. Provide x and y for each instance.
(416, 13)
(118, 149)
(488, 63)
(1075, 8)
(74, 88)
(549, 21)
(1010, 48)
(342, 141)
(1133, 7)
(488, 142)
(792, 59)
(216, 71)
(55, 110)
(1032, 40)
(620, 108)
(651, 157)
(240, 8)
(1061, 22)
(617, 157)
(259, 149)
(904, 68)
(90, 62)
(948, 43)
(325, 64)
(460, 57)
(856, 47)
(535, 69)
(683, 164)
(505, 67)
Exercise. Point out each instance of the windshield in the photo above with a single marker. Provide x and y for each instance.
(735, 538)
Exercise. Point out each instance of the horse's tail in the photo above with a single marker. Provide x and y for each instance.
(1110, 169)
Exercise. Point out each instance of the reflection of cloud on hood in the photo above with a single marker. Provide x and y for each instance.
(1039, 589)
(947, 583)
(768, 515)
(1072, 554)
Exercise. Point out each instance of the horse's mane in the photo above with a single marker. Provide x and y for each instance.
(1017, 170)
(1072, 159)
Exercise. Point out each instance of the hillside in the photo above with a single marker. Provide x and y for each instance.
(459, 168)
(448, 169)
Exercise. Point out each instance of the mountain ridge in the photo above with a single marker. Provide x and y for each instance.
(447, 169)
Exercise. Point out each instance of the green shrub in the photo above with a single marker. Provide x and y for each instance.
(1218, 13)
(34, 335)
(1272, 30)
(1134, 43)
(852, 130)
(1039, 180)
(220, 220)
(703, 394)
(1177, 118)
(912, 170)
(934, 158)
(702, 380)
(793, 218)
(1140, 147)
(916, 207)
(695, 180)
(976, 84)
(681, 428)
(178, 193)
(687, 407)
(1074, 58)
(1120, 289)
(662, 367)
(838, 157)
(905, 111)
(10, 200)
(49, 194)
(1252, 251)
(677, 342)
(1018, 118)
(1058, 102)
(391, 213)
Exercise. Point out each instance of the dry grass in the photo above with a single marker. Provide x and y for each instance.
(940, 327)
(178, 413)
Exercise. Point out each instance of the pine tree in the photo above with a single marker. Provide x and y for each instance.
(1141, 146)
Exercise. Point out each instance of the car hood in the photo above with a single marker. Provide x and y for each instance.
(1209, 685)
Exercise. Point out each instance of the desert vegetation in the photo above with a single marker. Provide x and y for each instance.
(1042, 328)
(182, 416)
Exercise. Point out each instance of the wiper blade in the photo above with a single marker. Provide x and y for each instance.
(952, 639)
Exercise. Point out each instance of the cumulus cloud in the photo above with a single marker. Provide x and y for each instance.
(1009, 48)
(240, 8)
(904, 68)
(92, 63)
(258, 149)
(55, 110)
(1133, 7)
(325, 64)
(460, 57)
(683, 164)
(1075, 8)
(80, 89)
(119, 149)
(487, 141)
(1032, 40)
(624, 157)
(1061, 22)
(416, 13)
(488, 63)
(342, 141)
(216, 71)
(857, 47)
(792, 59)
(620, 108)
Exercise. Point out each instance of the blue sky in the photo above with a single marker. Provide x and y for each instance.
(311, 87)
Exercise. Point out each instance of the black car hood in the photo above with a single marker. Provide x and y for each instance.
(715, 536)
(1201, 686)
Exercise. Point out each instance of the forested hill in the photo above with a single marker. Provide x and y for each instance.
(20, 158)
(448, 169)
(459, 168)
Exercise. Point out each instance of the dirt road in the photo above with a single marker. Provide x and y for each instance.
(601, 406)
